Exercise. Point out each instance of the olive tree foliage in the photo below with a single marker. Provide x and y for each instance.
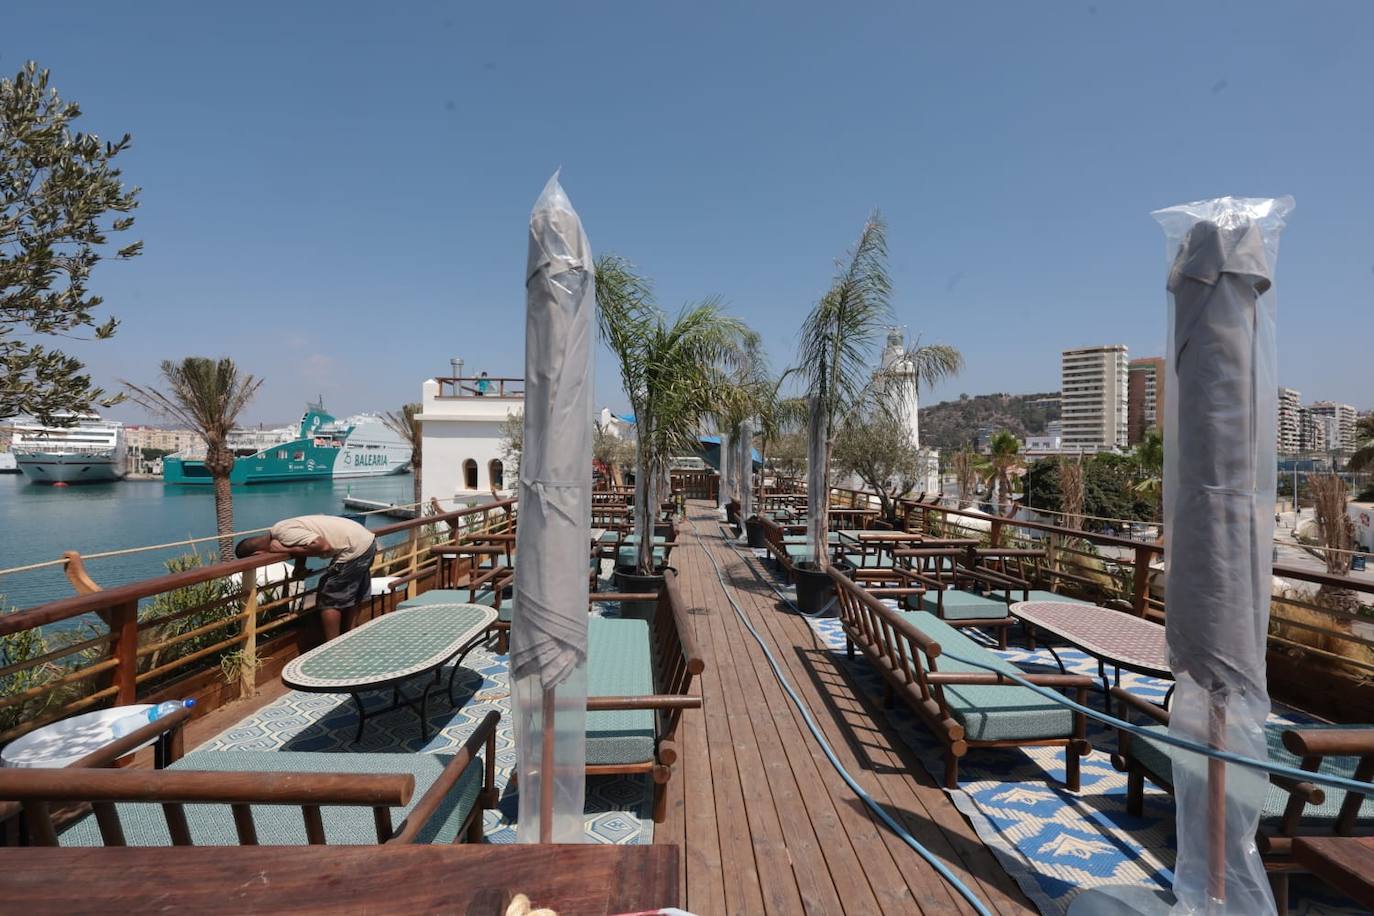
(61, 201)
(512, 445)
(875, 445)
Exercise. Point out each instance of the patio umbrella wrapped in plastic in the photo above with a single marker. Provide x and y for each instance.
(725, 462)
(744, 463)
(548, 646)
(1219, 492)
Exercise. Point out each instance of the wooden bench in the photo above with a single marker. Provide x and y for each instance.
(964, 706)
(218, 798)
(639, 679)
(1291, 808)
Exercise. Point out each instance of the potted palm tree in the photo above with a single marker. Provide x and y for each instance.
(674, 372)
(208, 396)
(835, 358)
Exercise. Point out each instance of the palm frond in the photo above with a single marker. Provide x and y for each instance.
(837, 338)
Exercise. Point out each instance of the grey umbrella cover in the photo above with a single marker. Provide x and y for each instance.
(1219, 485)
(553, 540)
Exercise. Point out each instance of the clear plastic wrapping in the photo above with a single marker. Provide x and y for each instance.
(548, 649)
(1219, 491)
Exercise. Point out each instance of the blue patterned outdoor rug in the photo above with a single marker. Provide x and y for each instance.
(619, 809)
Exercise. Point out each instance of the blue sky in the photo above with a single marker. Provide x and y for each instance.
(336, 194)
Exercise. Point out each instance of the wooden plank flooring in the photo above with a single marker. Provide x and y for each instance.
(765, 823)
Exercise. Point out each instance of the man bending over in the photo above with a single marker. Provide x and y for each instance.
(350, 547)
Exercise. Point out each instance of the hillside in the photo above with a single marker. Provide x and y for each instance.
(955, 424)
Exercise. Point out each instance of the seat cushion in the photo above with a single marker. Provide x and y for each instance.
(484, 596)
(282, 825)
(962, 605)
(1156, 758)
(991, 712)
(629, 556)
(618, 665)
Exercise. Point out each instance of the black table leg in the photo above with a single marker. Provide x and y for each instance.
(362, 716)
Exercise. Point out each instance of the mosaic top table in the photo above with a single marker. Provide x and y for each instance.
(390, 650)
(1124, 641)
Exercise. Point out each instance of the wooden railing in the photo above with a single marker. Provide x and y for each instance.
(170, 635)
(473, 387)
(1305, 627)
(696, 484)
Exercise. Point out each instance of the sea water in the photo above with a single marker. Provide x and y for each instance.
(39, 522)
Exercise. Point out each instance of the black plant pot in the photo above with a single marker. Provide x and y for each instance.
(627, 580)
(753, 528)
(815, 588)
(732, 513)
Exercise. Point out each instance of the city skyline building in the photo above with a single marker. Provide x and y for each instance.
(1144, 397)
(1094, 397)
(1290, 421)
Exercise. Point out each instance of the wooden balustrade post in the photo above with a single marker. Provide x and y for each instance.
(123, 621)
(411, 590)
(1052, 543)
(248, 671)
(1140, 585)
(995, 533)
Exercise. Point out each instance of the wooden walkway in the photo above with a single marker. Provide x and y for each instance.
(765, 823)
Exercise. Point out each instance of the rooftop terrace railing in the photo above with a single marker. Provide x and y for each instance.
(472, 387)
(203, 629)
(1321, 634)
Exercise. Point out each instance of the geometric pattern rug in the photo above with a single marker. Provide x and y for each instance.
(1053, 842)
(619, 809)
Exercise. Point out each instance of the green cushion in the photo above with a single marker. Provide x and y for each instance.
(618, 665)
(962, 605)
(629, 556)
(282, 825)
(449, 595)
(1155, 757)
(992, 712)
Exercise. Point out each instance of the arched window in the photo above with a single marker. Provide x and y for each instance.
(496, 473)
(469, 474)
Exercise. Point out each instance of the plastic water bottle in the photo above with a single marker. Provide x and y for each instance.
(134, 721)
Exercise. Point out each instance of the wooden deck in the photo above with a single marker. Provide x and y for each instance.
(765, 823)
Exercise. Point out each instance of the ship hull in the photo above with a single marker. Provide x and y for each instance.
(49, 468)
(270, 467)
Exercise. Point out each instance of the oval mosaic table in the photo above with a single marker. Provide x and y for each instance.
(390, 650)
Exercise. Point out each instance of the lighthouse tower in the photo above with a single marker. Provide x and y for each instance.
(896, 378)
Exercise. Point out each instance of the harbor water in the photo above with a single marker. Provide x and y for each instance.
(38, 523)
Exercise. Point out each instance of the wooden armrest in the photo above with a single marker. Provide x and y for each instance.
(1310, 793)
(408, 578)
(654, 701)
(992, 576)
(196, 787)
(103, 757)
(1139, 704)
(605, 597)
(989, 678)
(424, 809)
(491, 575)
(1329, 742)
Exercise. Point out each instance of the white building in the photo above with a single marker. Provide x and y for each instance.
(896, 378)
(1341, 431)
(1093, 395)
(1290, 421)
(461, 452)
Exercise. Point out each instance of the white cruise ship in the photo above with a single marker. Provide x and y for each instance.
(91, 450)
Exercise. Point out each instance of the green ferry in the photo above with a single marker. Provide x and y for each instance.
(358, 446)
